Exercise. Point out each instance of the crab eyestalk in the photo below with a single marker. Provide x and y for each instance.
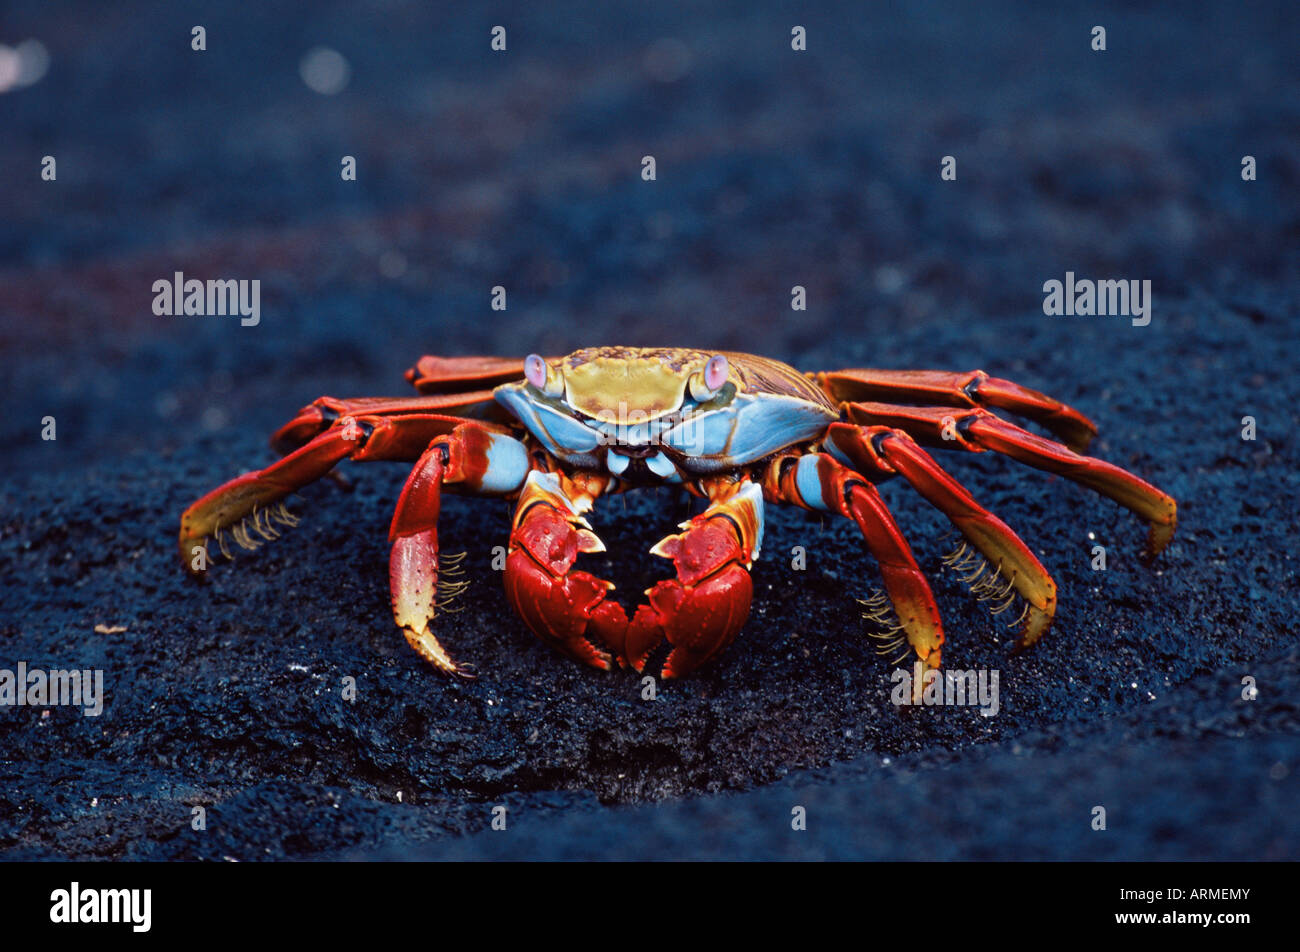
(706, 383)
(543, 376)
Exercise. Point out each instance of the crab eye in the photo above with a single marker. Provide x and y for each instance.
(535, 371)
(710, 380)
(715, 372)
(543, 376)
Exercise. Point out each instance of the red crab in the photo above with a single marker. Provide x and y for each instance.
(736, 429)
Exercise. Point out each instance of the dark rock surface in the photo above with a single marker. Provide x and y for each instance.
(522, 169)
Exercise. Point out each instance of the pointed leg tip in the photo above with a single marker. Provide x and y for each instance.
(188, 549)
(1037, 622)
(428, 648)
(1158, 540)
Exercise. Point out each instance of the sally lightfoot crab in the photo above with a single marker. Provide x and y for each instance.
(741, 431)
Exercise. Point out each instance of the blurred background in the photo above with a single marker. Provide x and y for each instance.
(522, 168)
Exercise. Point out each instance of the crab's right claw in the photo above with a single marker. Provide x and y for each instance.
(567, 610)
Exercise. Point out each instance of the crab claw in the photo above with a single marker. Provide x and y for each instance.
(700, 612)
(568, 610)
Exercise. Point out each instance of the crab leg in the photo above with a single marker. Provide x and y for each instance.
(701, 611)
(230, 506)
(325, 412)
(567, 610)
(877, 451)
(819, 481)
(432, 374)
(978, 430)
(472, 459)
(972, 389)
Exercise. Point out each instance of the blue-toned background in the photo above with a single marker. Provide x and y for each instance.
(522, 169)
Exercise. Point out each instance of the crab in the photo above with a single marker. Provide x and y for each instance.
(737, 430)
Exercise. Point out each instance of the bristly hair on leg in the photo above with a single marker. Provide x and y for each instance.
(450, 566)
(260, 524)
(281, 514)
(888, 629)
(985, 585)
(239, 531)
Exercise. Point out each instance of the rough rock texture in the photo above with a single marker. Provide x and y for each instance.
(775, 168)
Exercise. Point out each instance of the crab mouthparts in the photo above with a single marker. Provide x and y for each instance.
(632, 450)
(640, 463)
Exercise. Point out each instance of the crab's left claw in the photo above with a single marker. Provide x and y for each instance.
(704, 607)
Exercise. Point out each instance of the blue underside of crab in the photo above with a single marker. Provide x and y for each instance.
(733, 429)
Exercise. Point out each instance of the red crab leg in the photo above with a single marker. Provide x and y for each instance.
(978, 430)
(971, 389)
(878, 451)
(325, 412)
(471, 458)
(701, 611)
(228, 507)
(818, 481)
(567, 610)
(433, 374)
